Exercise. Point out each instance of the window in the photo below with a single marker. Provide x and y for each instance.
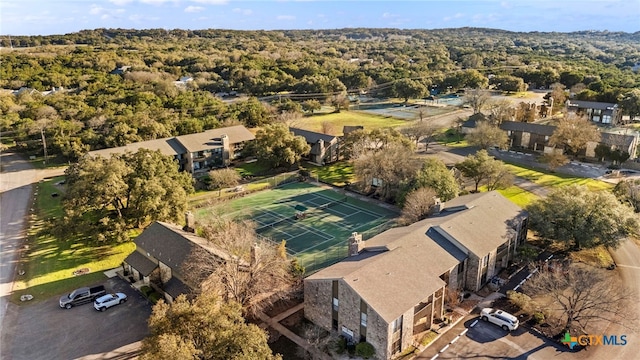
(461, 268)
(396, 325)
(485, 260)
(363, 319)
(335, 304)
(606, 119)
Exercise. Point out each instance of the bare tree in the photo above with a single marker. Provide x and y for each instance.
(417, 205)
(386, 170)
(580, 295)
(289, 118)
(420, 131)
(500, 110)
(477, 99)
(246, 269)
(327, 127)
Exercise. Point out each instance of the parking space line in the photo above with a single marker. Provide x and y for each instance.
(444, 348)
(473, 323)
(435, 356)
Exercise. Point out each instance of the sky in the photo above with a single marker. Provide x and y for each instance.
(48, 17)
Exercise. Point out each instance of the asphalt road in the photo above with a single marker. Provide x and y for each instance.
(15, 195)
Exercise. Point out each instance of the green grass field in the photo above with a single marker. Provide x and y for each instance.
(347, 118)
(49, 262)
(337, 174)
(320, 235)
(556, 180)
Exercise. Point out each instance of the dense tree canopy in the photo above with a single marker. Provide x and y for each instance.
(276, 145)
(580, 218)
(95, 107)
(483, 168)
(573, 133)
(107, 196)
(205, 328)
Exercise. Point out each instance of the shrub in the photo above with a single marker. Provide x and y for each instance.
(154, 297)
(520, 300)
(365, 350)
(146, 290)
(341, 345)
(538, 317)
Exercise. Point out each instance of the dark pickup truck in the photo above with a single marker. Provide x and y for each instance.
(81, 296)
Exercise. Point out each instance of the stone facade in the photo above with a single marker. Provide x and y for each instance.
(317, 302)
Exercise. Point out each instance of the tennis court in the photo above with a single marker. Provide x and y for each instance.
(316, 222)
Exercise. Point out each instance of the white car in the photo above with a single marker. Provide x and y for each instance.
(106, 301)
(501, 318)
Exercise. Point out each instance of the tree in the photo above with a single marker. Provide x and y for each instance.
(339, 102)
(204, 328)
(133, 189)
(486, 135)
(277, 146)
(420, 131)
(311, 105)
(628, 192)
(435, 175)
(387, 170)
(577, 217)
(483, 167)
(525, 112)
(630, 103)
(221, 178)
(359, 142)
(251, 112)
(477, 99)
(417, 205)
(580, 295)
(254, 274)
(508, 83)
(573, 133)
(500, 110)
(558, 95)
(554, 160)
(408, 89)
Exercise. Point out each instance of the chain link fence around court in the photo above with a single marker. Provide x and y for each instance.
(338, 252)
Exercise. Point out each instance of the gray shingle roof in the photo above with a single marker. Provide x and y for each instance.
(141, 263)
(312, 137)
(401, 266)
(176, 287)
(171, 245)
(528, 127)
(591, 105)
(185, 143)
(620, 140)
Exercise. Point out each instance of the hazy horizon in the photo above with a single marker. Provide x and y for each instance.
(42, 17)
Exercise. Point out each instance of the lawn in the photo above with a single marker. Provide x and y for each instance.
(337, 174)
(347, 118)
(556, 180)
(519, 196)
(49, 262)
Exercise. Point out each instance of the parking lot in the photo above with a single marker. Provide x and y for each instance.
(476, 339)
(45, 331)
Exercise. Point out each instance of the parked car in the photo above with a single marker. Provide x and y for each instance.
(501, 318)
(106, 301)
(82, 295)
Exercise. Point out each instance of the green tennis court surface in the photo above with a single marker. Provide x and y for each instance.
(315, 222)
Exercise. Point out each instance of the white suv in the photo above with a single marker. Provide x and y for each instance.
(106, 301)
(501, 318)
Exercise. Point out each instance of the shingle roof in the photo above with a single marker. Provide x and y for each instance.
(409, 260)
(528, 127)
(175, 287)
(311, 136)
(185, 143)
(620, 140)
(167, 146)
(591, 105)
(171, 245)
(141, 263)
(211, 138)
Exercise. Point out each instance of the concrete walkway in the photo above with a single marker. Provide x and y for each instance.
(275, 324)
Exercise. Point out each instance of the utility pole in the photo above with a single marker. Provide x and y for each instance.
(44, 144)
